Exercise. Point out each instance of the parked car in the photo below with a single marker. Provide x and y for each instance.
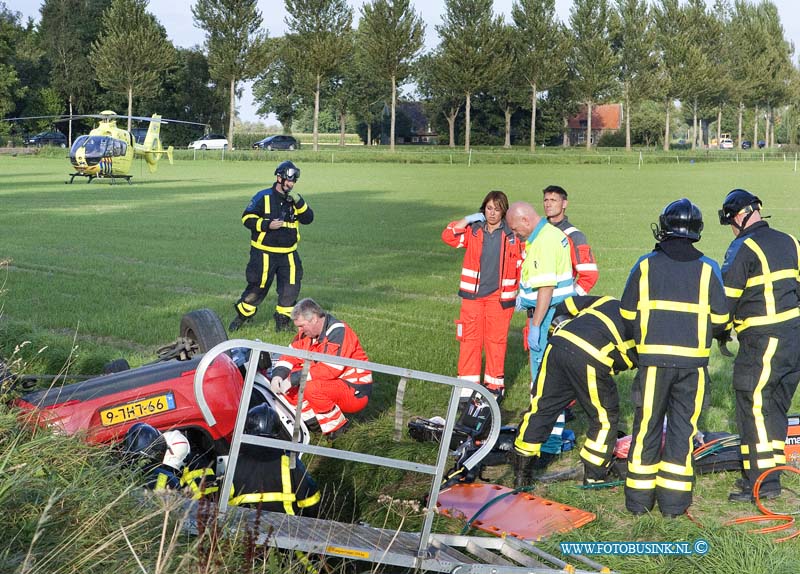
(277, 142)
(726, 143)
(747, 144)
(210, 141)
(762, 144)
(47, 138)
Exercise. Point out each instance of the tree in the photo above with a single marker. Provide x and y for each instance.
(670, 41)
(235, 42)
(391, 36)
(508, 90)
(468, 41)
(67, 27)
(634, 43)
(132, 50)
(367, 92)
(540, 47)
(276, 89)
(317, 29)
(592, 60)
(439, 92)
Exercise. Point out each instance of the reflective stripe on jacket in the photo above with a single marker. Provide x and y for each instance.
(338, 339)
(471, 239)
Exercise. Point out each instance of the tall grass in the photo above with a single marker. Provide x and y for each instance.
(101, 271)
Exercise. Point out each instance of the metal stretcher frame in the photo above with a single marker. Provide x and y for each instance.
(436, 471)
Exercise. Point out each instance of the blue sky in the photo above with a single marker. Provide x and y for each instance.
(176, 16)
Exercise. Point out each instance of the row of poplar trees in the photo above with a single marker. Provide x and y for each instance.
(727, 56)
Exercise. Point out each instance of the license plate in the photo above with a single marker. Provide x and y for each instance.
(137, 409)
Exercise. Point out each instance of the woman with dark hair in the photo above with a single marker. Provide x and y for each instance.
(488, 290)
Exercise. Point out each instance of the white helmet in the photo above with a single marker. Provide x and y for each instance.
(177, 449)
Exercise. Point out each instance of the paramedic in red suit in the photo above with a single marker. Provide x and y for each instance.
(331, 390)
(584, 266)
(488, 289)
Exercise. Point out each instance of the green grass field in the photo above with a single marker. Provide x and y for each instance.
(101, 271)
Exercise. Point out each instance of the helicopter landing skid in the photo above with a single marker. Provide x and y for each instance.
(113, 178)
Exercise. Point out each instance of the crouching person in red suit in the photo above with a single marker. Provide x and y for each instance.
(331, 390)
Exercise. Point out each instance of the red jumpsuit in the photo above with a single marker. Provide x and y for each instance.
(331, 390)
(484, 320)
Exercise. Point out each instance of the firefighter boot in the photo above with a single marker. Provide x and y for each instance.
(282, 322)
(523, 470)
(237, 323)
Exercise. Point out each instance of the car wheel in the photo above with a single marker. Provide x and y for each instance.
(269, 147)
(291, 147)
(203, 147)
(225, 147)
(204, 328)
(63, 145)
(116, 366)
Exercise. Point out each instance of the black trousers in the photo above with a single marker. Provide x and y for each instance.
(663, 473)
(565, 376)
(765, 376)
(264, 268)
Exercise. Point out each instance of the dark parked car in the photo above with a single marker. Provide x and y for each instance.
(47, 138)
(762, 144)
(277, 142)
(747, 144)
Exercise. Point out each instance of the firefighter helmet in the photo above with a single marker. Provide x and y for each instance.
(177, 449)
(736, 201)
(681, 218)
(144, 442)
(262, 421)
(287, 170)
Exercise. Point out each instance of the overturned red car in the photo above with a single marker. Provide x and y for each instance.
(160, 393)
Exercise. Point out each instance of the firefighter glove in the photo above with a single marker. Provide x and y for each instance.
(279, 385)
(533, 337)
(475, 218)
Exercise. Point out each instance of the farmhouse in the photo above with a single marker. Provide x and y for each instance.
(605, 118)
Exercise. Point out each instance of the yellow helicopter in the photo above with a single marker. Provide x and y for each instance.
(108, 151)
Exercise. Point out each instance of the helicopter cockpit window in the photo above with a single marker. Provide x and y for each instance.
(77, 144)
(120, 147)
(96, 146)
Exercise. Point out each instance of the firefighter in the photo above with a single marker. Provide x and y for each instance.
(584, 274)
(584, 266)
(673, 304)
(761, 282)
(488, 290)
(581, 356)
(331, 390)
(273, 217)
(145, 446)
(264, 478)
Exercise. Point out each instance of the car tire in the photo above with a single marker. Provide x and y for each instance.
(203, 147)
(225, 147)
(291, 147)
(116, 366)
(203, 326)
(269, 147)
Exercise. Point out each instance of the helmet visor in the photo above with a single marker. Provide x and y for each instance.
(291, 173)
